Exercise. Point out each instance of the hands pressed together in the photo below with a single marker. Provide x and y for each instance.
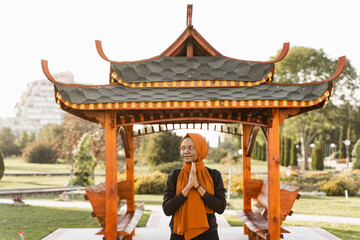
(193, 182)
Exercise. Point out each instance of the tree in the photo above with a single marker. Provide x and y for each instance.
(2, 165)
(307, 65)
(73, 128)
(50, 132)
(282, 149)
(293, 155)
(287, 154)
(342, 151)
(230, 144)
(7, 142)
(356, 153)
(85, 160)
(162, 147)
(317, 156)
(24, 140)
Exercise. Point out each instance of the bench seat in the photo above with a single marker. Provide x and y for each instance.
(256, 221)
(126, 222)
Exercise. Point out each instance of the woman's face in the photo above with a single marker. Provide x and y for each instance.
(188, 152)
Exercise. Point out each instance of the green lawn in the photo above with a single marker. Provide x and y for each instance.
(330, 206)
(343, 231)
(38, 222)
(19, 165)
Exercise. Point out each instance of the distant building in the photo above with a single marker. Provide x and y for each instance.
(37, 107)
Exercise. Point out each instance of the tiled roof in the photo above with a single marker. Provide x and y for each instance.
(168, 69)
(120, 93)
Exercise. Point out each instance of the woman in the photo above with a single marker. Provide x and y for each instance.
(194, 193)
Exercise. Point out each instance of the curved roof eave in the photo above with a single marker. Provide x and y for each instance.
(45, 68)
(283, 53)
(100, 51)
(339, 70)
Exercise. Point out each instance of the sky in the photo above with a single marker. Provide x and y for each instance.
(64, 33)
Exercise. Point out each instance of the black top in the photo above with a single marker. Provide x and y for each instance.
(172, 202)
(191, 68)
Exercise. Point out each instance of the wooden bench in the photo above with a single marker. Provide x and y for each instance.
(256, 221)
(127, 222)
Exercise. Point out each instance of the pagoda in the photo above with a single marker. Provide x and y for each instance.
(192, 83)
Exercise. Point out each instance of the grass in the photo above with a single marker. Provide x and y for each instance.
(343, 231)
(19, 165)
(233, 220)
(329, 206)
(38, 222)
(16, 182)
(144, 218)
(318, 205)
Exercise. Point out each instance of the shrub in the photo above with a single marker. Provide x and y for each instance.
(337, 186)
(308, 182)
(356, 153)
(2, 165)
(40, 152)
(168, 167)
(356, 164)
(317, 157)
(236, 183)
(152, 183)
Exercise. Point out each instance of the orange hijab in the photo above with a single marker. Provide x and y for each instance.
(190, 219)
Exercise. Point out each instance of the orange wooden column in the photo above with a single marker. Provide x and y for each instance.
(111, 175)
(130, 165)
(274, 177)
(246, 166)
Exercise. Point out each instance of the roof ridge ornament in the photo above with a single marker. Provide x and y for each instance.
(189, 16)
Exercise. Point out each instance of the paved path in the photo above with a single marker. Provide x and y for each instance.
(157, 226)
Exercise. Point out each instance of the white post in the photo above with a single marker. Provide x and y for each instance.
(346, 195)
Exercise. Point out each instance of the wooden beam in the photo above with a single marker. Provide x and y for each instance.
(98, 115)
(124, 141)
(286, 113)
(189, 15)
(130, 165)
(251, 141)
(190, 48)
(246, 167)
(111, 175)
(274, 220)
